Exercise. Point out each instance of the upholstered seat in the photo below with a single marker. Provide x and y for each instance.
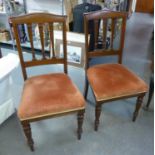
(113, 81)
(48, 95)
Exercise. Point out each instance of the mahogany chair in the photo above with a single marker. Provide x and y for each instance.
(109, 81)
(48, 95)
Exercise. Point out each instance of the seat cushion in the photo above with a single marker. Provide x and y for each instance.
(114, 81)
(48, 95)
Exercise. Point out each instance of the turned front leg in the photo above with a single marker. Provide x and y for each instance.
(28, 134)
(86, 88)
(97, 116)
(138, 106)
(80, 117)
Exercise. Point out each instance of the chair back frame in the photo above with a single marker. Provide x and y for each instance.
(97, 17)
(40, 19)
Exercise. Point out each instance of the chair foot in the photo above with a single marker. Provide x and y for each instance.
(97, 116)
(80, 117)
(28, 134)
(145, 108)
(96, 127)
(138, 106)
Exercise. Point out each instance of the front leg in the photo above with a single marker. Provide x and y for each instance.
(28, 134)
(138, 106)
(80, 117)
(97, 116)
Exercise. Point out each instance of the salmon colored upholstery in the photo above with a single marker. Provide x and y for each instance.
(49, 94)
(114, 80)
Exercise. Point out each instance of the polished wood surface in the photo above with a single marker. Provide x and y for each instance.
(145, 6)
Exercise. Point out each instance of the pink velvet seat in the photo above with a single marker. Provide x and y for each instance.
(113, 81)
(49, 94)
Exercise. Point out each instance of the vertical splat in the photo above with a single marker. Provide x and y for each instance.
(96, 32)
(19, 50)
(65, 47)
(29, 27)
(51, 38)
(112, 31)
(42, 38)
(122, 37)
(104, 32)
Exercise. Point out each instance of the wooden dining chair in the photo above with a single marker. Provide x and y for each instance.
(48, 95)
(109, 81)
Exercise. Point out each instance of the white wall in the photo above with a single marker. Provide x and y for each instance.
(134, 5)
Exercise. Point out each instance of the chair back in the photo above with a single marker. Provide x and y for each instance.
(42, 21)
(104, 34)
